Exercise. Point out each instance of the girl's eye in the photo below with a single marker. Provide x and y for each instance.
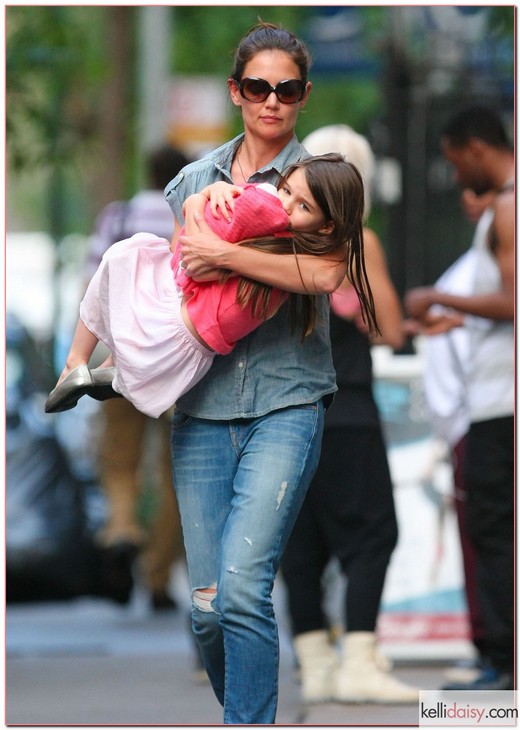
(304, 207)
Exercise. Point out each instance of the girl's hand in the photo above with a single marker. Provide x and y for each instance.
(221, 196)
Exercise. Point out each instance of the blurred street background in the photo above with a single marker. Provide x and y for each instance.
(90, 90)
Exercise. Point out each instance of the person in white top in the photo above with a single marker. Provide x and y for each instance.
(476, 144)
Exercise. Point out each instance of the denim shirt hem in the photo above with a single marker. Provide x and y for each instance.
(291, 403)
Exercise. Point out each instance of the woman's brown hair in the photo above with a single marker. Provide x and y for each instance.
(270, 37)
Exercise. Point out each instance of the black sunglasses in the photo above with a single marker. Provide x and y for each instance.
(256, 90)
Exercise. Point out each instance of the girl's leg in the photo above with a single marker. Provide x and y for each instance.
(81, 349)
(240, 487)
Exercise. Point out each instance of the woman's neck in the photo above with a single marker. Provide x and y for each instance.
(253, 154)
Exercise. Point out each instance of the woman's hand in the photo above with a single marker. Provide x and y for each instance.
(199, 251)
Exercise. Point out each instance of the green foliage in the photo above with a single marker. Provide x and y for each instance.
(53, 71)
(341, 100)
(57, 70)
(502, 20)
(205, 37)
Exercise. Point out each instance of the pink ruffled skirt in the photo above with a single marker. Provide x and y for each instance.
(133, 305)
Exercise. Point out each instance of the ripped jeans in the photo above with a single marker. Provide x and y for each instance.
(240, 485)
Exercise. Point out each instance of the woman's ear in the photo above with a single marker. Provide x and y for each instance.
(327, 228)
(234, 93)
(308, 87)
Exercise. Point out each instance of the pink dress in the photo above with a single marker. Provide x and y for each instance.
(133, 305)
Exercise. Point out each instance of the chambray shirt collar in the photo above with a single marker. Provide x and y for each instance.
(223, 158)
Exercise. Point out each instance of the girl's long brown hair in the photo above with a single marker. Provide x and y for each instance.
(337, 188)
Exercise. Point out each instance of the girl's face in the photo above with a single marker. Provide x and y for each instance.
(304, 213)
(269, 119)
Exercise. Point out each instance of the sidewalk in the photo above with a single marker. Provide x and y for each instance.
(89, 662)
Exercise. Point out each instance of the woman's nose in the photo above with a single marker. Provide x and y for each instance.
(272, 99)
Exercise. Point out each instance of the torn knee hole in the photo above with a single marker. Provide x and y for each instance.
(203, 597)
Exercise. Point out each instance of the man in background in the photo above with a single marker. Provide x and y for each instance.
(476, 144)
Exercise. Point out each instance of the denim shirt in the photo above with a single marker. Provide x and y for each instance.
(271, 368)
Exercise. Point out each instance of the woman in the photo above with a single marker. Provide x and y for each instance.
(348, 512)
(246, 439)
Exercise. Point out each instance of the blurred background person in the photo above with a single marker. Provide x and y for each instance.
(133, 448)
(446, 359)
(349, 511)
(476, 144)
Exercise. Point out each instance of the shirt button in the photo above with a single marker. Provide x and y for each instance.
(240, 364)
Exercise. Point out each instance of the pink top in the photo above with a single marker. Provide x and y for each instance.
(212, 306)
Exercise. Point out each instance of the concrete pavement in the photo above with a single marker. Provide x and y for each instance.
(90, 662)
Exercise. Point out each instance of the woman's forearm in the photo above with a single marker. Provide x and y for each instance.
(303, 274)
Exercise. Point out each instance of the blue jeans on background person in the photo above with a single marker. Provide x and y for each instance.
(240, 485)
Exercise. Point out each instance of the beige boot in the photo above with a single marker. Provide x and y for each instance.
(383, 663)
(360, 679)
(318, 661)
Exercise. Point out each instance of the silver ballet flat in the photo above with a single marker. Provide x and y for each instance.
(81, 381)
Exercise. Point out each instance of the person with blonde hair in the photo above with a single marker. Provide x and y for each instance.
(348, 512)
(353, 146)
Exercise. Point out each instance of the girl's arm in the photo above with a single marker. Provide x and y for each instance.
(221, 196)
(194, 203)
(304, 274)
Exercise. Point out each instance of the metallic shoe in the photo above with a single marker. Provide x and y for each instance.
(81, 381)
(102, 384)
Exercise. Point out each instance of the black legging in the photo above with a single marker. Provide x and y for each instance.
(348, 513)
(489, 474)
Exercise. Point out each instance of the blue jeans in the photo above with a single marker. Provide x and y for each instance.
(240, 485)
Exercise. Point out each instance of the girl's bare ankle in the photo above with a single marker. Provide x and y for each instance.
(70, 365)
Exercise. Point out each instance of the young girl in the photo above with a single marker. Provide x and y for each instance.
(164, 329)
